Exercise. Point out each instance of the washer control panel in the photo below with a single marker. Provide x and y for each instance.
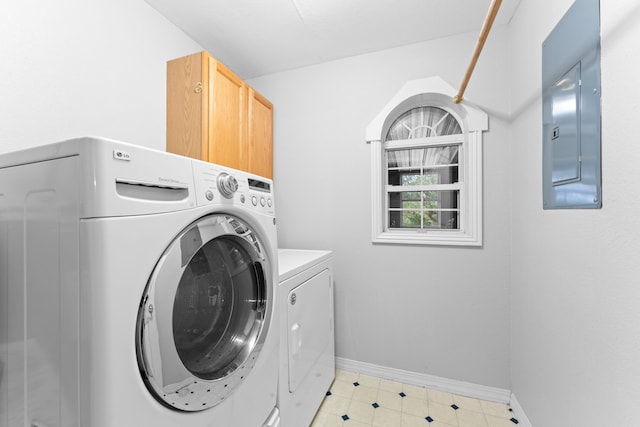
(215, 184)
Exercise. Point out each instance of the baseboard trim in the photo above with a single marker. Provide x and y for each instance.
(492, 394)
(519, 412)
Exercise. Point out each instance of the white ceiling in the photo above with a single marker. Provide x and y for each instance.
(258, 37)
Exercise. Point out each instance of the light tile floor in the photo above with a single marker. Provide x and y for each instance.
(357, 400)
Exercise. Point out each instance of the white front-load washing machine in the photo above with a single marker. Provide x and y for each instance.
(137, 288)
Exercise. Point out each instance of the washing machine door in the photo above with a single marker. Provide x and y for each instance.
(205, 313)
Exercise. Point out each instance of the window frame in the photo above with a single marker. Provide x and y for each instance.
(437, 93)
(413, 143)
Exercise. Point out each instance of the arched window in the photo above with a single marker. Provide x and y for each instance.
(427, 168)
(423, 122)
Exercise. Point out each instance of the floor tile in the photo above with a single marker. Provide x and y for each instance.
(335, 404)
(439, 424)
(467, 403)
(347, 376)
(326, 419)
(361, 411)
(443, 413)
(440, 397)
(497, 409)
(342, 388)
(368, 381)
(493, 421)
(415, 391)
(417, 407)
(468, 418)
(392, 386)
(365, 394)
(409, 420)
(389, 400)
(383, 417)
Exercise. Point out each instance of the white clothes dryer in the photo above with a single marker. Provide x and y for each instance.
(138, 288)
(307, 349)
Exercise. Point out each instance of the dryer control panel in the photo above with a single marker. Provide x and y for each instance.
(215, 184)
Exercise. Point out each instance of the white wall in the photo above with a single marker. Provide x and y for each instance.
(575, 287)
(72, 68)
(436, 310)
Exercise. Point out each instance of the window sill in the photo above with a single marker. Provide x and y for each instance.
(428, 238)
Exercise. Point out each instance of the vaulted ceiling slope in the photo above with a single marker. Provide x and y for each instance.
(258, 37)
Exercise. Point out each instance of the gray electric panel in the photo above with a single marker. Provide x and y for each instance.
(571, 166)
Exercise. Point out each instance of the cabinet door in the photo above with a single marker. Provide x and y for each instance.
(260, 146)
(187, 102)
(227, 116)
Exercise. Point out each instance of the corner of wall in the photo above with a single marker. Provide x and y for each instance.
(518, 412)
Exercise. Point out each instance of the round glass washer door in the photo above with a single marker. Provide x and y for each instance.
(205, 313)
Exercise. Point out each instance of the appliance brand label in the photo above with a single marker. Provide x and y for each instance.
(121, 155)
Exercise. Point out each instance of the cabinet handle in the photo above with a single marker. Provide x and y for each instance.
(198, 87)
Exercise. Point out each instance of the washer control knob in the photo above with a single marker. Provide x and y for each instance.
(227, 184)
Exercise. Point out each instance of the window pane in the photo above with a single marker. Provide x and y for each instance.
(411, 219)
(444, 155)
(423, 166)
(423, 122)
(406, 159)
(435, 209)
(442, 220)
(447, 199)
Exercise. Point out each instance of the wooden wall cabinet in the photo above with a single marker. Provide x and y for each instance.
(214, 116)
